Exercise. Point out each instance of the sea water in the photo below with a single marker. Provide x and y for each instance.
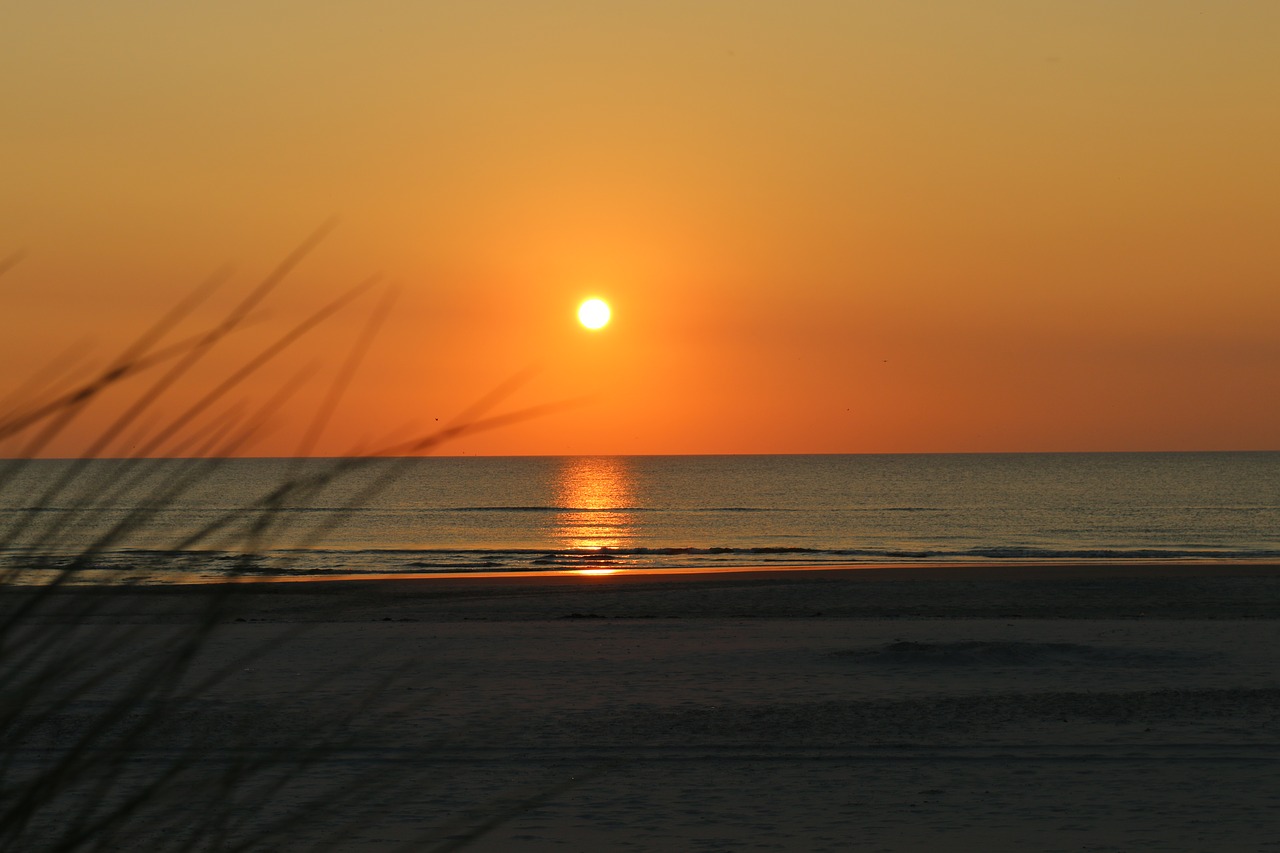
(203, 519)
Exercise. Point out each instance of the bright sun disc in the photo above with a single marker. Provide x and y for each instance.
(593, 313)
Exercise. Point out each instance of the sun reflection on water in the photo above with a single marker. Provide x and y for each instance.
(597, 497)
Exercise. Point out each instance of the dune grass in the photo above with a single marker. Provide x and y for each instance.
(104, 735)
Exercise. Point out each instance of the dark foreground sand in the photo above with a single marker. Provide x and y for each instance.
(1130, 707)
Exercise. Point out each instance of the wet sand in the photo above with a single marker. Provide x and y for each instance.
(996, 707)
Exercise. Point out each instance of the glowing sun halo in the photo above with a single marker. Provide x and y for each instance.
(593, 313)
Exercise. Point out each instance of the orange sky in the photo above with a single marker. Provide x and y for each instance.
(823, 226)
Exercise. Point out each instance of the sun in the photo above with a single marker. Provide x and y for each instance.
(594, 313)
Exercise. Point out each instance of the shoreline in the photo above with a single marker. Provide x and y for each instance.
(1076, 590)
(868, 571)
(1066, 569)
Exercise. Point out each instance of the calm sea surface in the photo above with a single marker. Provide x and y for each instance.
(180, 519)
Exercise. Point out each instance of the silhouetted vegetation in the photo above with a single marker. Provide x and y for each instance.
(111, 735)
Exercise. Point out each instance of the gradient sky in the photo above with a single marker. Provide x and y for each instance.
(823, 226)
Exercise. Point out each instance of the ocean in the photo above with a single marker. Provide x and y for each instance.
(187, 520)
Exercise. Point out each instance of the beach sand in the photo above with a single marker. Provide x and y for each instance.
(965, 707)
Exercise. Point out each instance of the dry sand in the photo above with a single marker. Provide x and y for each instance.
(1131, 707)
